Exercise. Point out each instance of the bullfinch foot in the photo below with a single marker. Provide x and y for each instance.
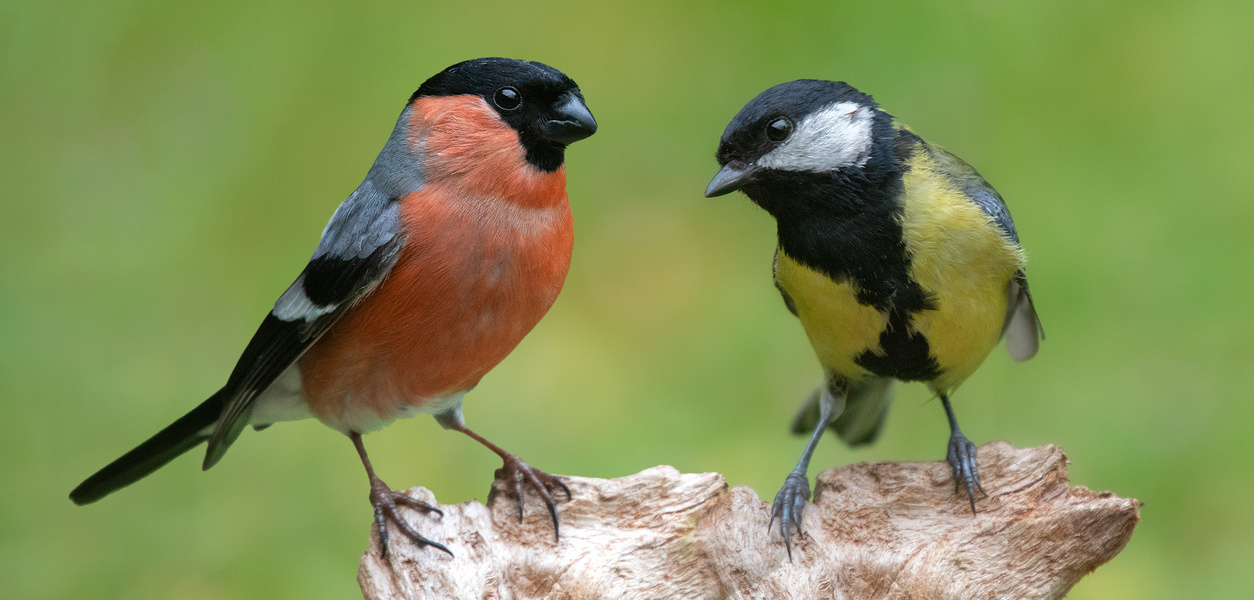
(961, 457)
(789, 502)
(515, 471)
(523, 475)
(385, 501)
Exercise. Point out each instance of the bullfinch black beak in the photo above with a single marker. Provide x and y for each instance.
(571, 122)
(729, 179)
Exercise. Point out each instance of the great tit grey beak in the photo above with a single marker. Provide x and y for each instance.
(729, 179)
(571, 123)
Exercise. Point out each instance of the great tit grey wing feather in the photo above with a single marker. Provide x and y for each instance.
(357, 250)
(1022, 327)
(1022, 330)
(789, 303)
(991, 203)
(977, 189)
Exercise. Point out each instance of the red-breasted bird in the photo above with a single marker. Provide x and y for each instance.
(453, 247)
(901, 262)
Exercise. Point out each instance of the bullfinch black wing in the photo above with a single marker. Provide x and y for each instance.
(358, 247)
(357, 250)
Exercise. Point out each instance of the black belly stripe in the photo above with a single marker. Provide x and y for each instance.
(848, 226)
(906, 353)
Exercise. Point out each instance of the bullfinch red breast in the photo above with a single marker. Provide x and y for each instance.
(453, 247)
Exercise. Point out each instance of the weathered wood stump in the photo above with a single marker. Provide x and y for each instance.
(875, 530)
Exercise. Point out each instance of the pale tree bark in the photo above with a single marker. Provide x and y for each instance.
(875, 530)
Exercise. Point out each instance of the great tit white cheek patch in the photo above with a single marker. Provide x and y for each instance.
(829, 139)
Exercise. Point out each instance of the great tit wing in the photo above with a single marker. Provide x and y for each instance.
(358, 248)
(1022, 327)
(966, 178)
(788, 301)
(991, 203)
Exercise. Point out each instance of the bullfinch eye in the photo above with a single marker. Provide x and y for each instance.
(778, 129)
(507, 98)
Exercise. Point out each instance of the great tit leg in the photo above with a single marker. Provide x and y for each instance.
(384, 501)
(516, 470)
(791, 499)
(961, 457)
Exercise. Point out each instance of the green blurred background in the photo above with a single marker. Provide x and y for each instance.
(166, 172)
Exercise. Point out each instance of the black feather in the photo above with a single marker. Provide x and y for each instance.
(279, 343)
(540, 86)
(179, 437)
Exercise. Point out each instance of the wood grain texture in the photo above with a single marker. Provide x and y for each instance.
(875, 530)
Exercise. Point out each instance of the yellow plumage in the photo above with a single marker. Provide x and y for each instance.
(901, 262)
(839, 327)
(958, 256)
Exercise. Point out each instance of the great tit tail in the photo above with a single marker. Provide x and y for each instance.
(866, 406)
(186, 433)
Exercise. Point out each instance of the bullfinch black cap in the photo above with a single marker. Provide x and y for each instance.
(540, 102)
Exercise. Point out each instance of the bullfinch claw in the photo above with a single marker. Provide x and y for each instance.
(546, 486)
(385, 501)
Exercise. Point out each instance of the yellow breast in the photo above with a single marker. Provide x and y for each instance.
(839, 327)
(957, 255)
(964, 262)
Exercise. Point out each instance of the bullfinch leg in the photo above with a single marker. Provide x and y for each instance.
(384, 501)
(515, 469)
(961, 457)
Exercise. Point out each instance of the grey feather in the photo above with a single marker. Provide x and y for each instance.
(980, 192)
(355, 229)
(367, 220)
(358, 248)
(1022, 329)
(865, 408)
(990, 201)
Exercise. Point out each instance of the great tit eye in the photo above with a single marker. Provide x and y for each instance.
(778, 129)
(507, 98)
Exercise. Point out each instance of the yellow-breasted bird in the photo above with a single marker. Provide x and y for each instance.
(901, 262)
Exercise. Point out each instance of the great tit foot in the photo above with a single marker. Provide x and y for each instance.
(385, 501)
(789, 502)
(966, 472)
(546, 486)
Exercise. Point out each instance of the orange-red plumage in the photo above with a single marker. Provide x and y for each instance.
(488, 245)
(453, 247)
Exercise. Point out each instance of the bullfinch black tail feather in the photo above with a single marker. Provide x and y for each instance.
(451, 249)
(189, 431)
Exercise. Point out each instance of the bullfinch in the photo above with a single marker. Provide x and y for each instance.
(899, 259)
(453, 247)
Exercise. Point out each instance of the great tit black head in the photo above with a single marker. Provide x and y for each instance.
(802, 128)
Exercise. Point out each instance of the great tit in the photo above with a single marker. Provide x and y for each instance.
(900, 261)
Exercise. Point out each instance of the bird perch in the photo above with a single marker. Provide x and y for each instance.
(875, 530)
